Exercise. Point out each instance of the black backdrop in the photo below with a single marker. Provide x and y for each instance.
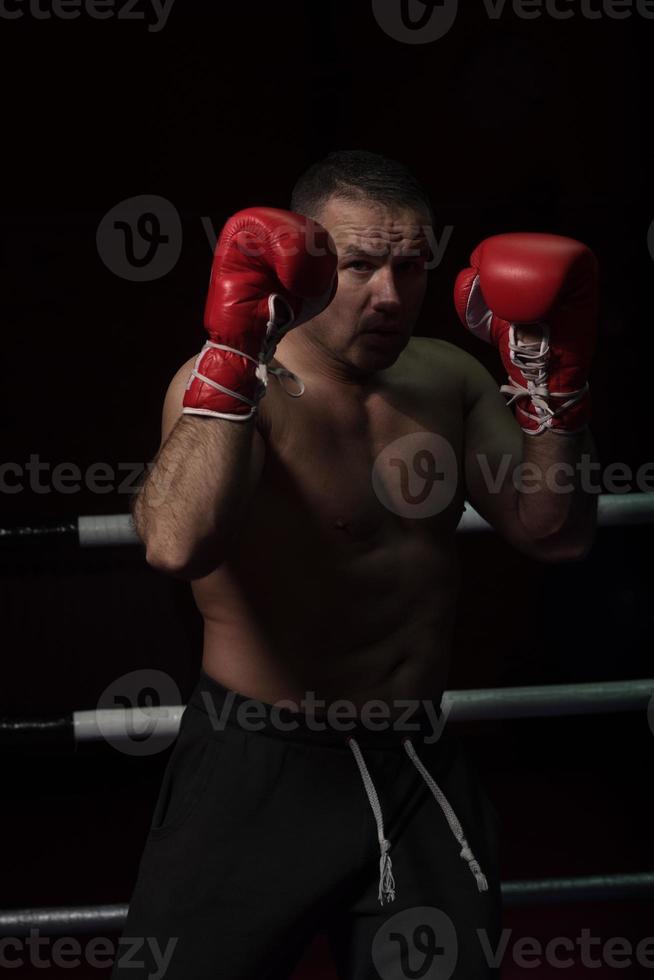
(538, 124)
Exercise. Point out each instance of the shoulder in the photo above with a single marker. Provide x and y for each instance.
(437, 356)
(443, 353)
(437, 350)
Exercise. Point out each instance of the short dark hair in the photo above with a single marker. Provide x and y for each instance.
(357, 175)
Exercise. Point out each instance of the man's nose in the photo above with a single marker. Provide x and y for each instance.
(386, 296)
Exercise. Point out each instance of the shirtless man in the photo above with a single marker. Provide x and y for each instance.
(315, 591)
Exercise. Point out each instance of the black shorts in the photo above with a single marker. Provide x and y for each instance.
(261, 839)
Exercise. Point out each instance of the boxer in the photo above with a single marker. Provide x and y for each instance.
(321, 596)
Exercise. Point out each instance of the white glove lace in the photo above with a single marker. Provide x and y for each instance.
(532, 360)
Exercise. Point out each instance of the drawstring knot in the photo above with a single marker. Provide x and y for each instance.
(386, 879)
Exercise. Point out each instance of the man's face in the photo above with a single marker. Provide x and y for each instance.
(381, 282)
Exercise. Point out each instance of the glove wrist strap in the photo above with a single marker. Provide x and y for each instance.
(281, 318)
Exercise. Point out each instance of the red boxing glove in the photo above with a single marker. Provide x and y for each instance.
(272, 270)
(549, 282)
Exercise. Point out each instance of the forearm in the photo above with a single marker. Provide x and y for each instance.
(191, 499)
(554, 504)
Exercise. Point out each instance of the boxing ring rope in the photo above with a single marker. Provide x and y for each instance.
(82, 920)
(117, 530)
(613, 510)
(485, 704)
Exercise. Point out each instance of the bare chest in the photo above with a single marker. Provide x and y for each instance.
(353, 473)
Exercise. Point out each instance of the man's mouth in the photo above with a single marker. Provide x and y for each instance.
(389, 329)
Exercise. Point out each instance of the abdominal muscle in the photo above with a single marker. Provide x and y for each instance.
(358, 621)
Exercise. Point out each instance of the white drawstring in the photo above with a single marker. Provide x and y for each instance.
(386, 880)
(451, 817)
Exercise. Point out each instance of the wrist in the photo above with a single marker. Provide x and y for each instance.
(224, 383)
(564, 413)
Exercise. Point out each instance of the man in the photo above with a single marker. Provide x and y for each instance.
(325, 575)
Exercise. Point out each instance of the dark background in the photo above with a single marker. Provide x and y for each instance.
(511, 124)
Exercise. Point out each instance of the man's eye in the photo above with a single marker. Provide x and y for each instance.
(409, 264)
(359, 265)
